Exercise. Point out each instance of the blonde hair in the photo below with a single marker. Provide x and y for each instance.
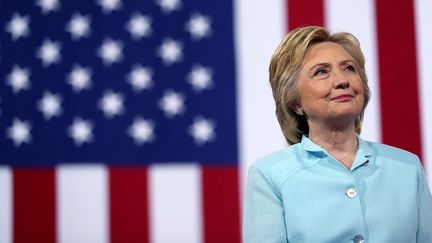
(284, 68)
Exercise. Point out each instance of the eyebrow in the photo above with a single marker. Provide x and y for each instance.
(328, 64)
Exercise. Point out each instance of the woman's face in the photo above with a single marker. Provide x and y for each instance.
(329, 84)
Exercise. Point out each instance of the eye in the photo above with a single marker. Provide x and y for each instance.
(350, 68)
(320, 71)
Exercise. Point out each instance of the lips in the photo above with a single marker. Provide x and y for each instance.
(343, 97)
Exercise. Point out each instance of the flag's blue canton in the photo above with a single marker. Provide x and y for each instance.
(127, 82)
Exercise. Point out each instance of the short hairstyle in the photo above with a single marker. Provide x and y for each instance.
(284, 69)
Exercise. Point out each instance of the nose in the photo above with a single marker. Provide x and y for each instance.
(340, 81)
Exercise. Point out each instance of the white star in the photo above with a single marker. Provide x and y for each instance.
(48, 5)
(81, 131)
(50, 105)
(110, 5)
(18, 79)
(200, 78)
(79, 26)
(79, 78)
(18, 26)
(172, 103)
(199, 26)
(141, 131)
(111, 51)
(139, 26)
(49, 52)
(170, 51)
(19, 132)
(202, 130)
(140, 78)
(169, 5)
(111, 104)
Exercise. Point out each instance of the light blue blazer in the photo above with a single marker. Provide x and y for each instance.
(303, 194)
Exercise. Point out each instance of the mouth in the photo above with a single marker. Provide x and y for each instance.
(344, 97)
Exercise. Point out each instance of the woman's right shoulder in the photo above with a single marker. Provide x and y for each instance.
(281, 162)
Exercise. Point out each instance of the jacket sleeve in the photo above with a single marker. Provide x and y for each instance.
(424, 232)
(263, 215)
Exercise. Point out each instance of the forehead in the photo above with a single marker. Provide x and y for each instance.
(325, 52)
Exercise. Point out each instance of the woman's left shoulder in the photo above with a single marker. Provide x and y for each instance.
(393, 153)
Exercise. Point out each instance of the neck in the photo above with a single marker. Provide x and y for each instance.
(340, 142)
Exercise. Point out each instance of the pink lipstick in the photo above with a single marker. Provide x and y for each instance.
(344, 97)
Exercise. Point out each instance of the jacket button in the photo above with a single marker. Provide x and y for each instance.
(358, 239)
(351, 193)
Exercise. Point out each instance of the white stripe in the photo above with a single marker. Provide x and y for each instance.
(423, 20)
(260, 26)
(175, 204)
(5, 205)
(82, 199)
(358, 18)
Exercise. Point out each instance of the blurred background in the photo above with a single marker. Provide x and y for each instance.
(136, 121)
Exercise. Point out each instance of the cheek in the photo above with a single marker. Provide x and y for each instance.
(361, 101)
(313, 92)
(314, 101)
(310, 95)
(318, 90)
(360, 98)
(358, 85)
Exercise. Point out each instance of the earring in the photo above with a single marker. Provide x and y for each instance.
(299, 111)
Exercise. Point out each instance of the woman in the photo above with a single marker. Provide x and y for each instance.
(330, 185)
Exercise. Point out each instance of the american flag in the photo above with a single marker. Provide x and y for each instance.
(136, 121)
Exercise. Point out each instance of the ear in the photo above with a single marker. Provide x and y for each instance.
(297, 109)
(294, 106)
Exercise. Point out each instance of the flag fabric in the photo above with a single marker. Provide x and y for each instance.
(136, 121)
(98, 93)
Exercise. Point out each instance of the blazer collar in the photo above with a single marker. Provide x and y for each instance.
(363, 154)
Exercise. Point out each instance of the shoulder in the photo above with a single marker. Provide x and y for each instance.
(387, 152)
(404, 164)
(281, 164)
(390, 151)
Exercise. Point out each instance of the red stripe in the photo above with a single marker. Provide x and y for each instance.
(34, 205)
(221, 204)
(129, 205)
(398, 74)
(302, 13)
